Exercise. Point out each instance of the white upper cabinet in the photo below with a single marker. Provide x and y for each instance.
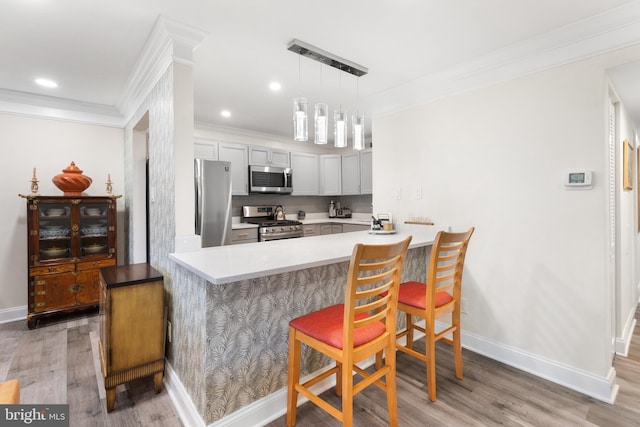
(351, 173)
(304, 168)
(366, 172)
(330, 175)
(237, 155)
(264, 156)
(207, 150)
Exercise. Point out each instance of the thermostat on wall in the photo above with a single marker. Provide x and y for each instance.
(578, 179)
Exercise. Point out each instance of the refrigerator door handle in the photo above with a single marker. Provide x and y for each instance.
(227, 214)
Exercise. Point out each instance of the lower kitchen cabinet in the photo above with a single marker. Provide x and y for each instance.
(244, 235)
(309, 230)
(330, 228)
(132, 325)
(348, 228)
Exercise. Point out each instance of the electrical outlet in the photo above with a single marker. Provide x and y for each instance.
(398, 194)
(418, 192)
(169, 332)
(464, 306)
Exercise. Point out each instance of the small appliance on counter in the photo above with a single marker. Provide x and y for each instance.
(332, 210)
(383, 224)
(343, 213)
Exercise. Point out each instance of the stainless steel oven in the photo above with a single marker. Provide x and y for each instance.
(268, 227)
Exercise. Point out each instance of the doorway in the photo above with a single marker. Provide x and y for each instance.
(139, 216)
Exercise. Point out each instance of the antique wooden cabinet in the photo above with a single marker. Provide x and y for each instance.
(132, 328)
(69, 239)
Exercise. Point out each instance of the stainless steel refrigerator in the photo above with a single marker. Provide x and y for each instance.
(213, 202)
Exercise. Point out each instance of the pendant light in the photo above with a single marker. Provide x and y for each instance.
(321, 110)
(321, 120)
(340, 124)
(340, 128)
(300, 129)
(357, 123)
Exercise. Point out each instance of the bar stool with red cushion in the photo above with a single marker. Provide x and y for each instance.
(363, 326)
(433, 300)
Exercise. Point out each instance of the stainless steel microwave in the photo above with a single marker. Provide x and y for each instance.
(269, 179)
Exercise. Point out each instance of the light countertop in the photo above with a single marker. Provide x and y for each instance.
(226, 264)
(357, 219)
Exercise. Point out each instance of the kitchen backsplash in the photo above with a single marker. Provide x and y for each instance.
(309, 204)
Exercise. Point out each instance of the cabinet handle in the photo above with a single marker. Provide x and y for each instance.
(243, 234)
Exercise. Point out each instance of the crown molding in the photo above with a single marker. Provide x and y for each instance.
(33, 105)
(613, 29)
(170, 41)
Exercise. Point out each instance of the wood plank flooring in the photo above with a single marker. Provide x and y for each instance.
(58, 363)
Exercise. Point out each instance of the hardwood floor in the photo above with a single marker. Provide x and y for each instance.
(58, 363)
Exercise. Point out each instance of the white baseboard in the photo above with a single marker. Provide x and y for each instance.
(181, 400)
(12, 314)
(601, 388)
(623, 342)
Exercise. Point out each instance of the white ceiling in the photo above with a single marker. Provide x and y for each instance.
(415, 50)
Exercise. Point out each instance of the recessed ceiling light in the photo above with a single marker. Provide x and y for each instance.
(46, 83)
(275, 86)
(225, 113)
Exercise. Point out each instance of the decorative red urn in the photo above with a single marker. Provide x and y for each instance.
(71, 181)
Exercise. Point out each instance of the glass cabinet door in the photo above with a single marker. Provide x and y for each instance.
(94, 229)
(54, 231)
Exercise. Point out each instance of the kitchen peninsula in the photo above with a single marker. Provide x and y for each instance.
(232, 304)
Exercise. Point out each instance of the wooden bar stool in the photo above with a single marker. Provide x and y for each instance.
(10, 392)
(439, 296)
(363, 326)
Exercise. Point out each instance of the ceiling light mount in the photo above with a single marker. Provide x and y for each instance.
(317, 54)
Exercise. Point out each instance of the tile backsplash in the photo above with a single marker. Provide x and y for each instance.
(309, 204)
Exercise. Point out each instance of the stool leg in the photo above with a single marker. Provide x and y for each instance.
(293, 377)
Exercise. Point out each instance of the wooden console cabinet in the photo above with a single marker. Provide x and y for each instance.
(69, 239)
(131, 326)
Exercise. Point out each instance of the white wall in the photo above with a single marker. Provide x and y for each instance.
(49, 146)
(536, 272)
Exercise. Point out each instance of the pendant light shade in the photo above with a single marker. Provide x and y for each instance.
(321, 120)
(300, 126)
(358, 131)
(340, 129)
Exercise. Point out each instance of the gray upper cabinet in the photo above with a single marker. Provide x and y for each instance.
(351, 173)
(330, 175)
(263, 156)
(305, 174)
(366, 172)
(207, 150)
(237, 155)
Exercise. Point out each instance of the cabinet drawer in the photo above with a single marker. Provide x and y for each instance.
(310, 230)
(97, 264)
(51, 269)
(244, 235)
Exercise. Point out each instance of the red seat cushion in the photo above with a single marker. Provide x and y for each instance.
(326, 325)
(415, 295)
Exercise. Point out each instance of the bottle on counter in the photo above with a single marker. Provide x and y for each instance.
(332, 210)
